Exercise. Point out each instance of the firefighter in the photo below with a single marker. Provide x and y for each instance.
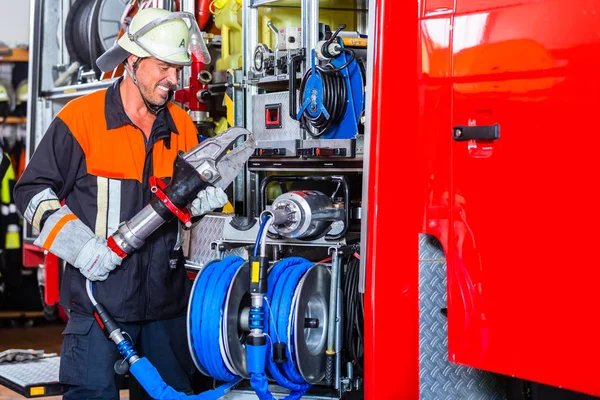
(89, 173)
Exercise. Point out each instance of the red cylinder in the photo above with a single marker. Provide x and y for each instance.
(203, 13)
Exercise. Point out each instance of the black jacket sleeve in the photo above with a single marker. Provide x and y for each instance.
(4, 163)
(55, 164)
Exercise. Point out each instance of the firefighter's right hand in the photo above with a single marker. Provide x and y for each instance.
(68, 238)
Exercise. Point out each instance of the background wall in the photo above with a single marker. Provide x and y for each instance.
(14, 22)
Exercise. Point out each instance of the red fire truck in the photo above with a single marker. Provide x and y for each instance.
(482, 122)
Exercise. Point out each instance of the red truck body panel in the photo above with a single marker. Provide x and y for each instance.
(391, 297)
(513, 214)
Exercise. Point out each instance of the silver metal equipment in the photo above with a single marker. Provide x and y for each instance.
(309, 214)
(304, 214)
(209, 163)
(276, 133)
(312, 321)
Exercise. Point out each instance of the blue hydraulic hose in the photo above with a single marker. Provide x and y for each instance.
(282, 282)
(259, 236)
(147, 375)
(205, 312)
(260, 382)
(290, 277)
(152, 382)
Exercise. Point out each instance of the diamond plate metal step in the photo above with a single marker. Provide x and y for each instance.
(439, 378)
(36, 378)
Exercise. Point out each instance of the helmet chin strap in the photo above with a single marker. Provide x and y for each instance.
(152, 108)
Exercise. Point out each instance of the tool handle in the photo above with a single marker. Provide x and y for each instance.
(292, 82)
(105, 320)
(110, 242)
(157, 186)
(462, 133)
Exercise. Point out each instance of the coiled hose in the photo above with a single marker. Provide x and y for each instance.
(334, 95)
(143, 370)
(205, 311)
(335, 100)
(81, 33)
(206, 335)
(283, 280)
(354, 315)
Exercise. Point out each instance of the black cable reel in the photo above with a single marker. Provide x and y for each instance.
(92, 26)
(323, 89)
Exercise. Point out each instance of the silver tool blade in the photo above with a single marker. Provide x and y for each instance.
(232, 163)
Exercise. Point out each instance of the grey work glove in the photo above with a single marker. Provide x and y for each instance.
(207, 200)
(65, 236)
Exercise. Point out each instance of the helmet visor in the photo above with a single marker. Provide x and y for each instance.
(175, 53)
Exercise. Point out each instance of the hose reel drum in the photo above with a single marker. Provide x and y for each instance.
(297, 303)
(92, 26)
(307, 325)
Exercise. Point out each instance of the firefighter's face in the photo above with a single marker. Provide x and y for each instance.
(156, 78)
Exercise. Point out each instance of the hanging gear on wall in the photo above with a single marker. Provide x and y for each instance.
(21, 99)
(6, 99)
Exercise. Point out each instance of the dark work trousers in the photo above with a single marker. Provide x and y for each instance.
(87, 357)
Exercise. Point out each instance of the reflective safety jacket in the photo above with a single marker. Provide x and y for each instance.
(99, 163)
(10, 220)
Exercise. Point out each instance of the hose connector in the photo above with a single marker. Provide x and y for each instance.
(279, 215)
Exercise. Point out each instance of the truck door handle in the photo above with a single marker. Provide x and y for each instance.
(462, 133)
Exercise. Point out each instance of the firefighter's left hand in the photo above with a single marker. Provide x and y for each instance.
(208, 200)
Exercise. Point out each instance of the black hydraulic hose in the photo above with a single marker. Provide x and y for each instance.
(353, 315)
(77, 36)
(293, 107)
(347, 63)
(335, 99)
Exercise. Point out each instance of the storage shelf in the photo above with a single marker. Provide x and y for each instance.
(339, 164)
(14, 120)
(71, 91)
(272, 79)
(324, 4)
(18, 55)
(20, 314)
